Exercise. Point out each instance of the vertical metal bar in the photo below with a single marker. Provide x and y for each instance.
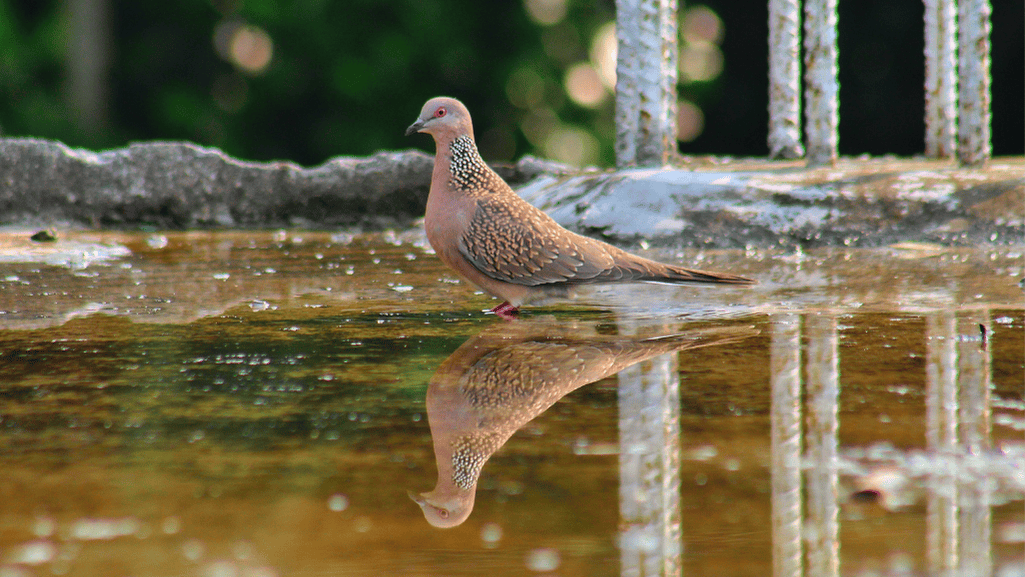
(646, 76)
(785, 370)
(784, 79)
(940, 78)
(823, 427)
(628, 101)
(973, 138)
(822, 87)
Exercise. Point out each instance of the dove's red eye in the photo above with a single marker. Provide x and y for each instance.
(439, 112)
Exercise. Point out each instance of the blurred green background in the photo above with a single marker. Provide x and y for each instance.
(305, 80)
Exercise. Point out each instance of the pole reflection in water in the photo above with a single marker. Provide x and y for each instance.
(941, 440)
(787, 499)
(973, 364)
(823, 425)
(509, 374)
(959, 481)
(958, 434)
(650, 541)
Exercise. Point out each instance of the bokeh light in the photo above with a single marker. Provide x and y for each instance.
(572, 145)
(700, 62)
(525, 88)
(546, 12)
(701, 25)
(690, 121)
(701, 31)
(603, 52)
(538, 124)
(584, 86)
(249, 48)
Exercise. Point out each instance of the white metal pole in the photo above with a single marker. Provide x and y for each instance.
(973, 138)
(785, 79)
(646, 76)
(821, 85)
(940, 78)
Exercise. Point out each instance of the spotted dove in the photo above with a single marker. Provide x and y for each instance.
(494, 239)
(507, 375)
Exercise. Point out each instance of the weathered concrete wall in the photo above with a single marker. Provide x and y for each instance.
(864, 202)
(701, 202)
(182, 185)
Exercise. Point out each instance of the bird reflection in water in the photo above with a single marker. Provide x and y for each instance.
(502, 378)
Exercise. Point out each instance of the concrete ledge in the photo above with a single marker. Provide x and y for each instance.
(703, 202)
(739, 203)
(182, 185)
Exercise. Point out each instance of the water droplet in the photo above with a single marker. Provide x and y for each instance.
(703, 453)
(362, 524)
(221, 568)
(33, 553)
(171, 525)
(44, 526)
(243, 550)
(338, 502)
(543, 560)
(192, 549)
(490, 534)
(88, 529)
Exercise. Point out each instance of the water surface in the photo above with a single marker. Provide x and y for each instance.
(260, 404)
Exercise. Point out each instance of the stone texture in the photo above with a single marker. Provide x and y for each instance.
(182, 185)
(700, 202)
(736, 204)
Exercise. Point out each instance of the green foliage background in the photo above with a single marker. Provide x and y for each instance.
(347, 76)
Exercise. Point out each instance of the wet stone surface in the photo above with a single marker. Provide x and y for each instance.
(268, 403)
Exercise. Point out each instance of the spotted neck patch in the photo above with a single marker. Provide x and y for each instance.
(468, 172)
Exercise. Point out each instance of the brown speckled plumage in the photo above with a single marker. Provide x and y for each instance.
(484, 231)
(503, 378)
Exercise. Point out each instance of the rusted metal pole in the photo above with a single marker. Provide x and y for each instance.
(821, 86)
(940, 78)
(784, 79)
(646, 75)
(973, 135)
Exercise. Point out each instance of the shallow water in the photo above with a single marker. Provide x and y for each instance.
(262, 404)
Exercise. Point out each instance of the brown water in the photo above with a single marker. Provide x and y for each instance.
(261, 404)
